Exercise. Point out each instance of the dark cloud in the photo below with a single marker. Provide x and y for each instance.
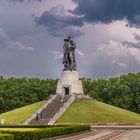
(137, 37)
(96, 58)
(106, 11)
(131, 44)
(6, 42)
(23, 0)
(58, 23)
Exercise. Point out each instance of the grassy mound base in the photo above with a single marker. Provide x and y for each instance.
(36, 133)
(19, 115)
(81, 111)
(91, 111)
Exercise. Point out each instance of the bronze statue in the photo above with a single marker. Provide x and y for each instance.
(69, 54)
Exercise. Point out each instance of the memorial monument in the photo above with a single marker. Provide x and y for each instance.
(69, 82)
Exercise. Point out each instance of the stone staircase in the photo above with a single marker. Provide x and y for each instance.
(52, 110)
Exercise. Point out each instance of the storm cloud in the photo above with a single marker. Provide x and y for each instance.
(7, 43)
(105, 11)
(24, 0)
(32, 33)
(59, 23)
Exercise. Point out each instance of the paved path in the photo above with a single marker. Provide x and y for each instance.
(107, 133)
(132, 135)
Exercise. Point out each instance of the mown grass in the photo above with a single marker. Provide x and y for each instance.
(91, 111)
(81, 111)
(20, 115)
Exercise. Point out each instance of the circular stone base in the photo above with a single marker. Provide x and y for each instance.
(69, 83)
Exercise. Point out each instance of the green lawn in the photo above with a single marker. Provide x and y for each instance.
(91, 111)
(81, 111)
(19, 115)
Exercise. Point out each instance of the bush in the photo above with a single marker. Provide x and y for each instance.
(30, 126)
(6, 136)
(45, 132)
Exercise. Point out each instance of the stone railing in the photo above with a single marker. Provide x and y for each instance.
(39, 110)
(62, 110)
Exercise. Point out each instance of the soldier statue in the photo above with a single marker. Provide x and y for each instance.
(69, 54)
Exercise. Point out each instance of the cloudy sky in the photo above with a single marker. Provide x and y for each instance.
(107, 34)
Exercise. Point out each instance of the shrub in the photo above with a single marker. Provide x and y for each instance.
(30, 126)
(45, 132)
(6, 136)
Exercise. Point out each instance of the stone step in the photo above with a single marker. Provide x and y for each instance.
(49, 112)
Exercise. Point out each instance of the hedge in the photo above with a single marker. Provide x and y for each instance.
(45, 132)
(6, 136)
(31, 126)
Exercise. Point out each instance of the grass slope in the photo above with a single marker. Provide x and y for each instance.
(19, 115)
(91, 111)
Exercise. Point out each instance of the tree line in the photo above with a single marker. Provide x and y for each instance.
(18, 92)
(123, 91)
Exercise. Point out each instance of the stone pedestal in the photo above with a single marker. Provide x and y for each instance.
(69, 83)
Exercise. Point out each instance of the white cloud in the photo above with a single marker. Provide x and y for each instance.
(106, 54)
(100, 51)
(79, 52)
(57, 55)
(20, 46)
(113, 58)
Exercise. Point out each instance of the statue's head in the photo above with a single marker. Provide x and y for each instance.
(69, 37)
(65, 40)
(71, 42)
